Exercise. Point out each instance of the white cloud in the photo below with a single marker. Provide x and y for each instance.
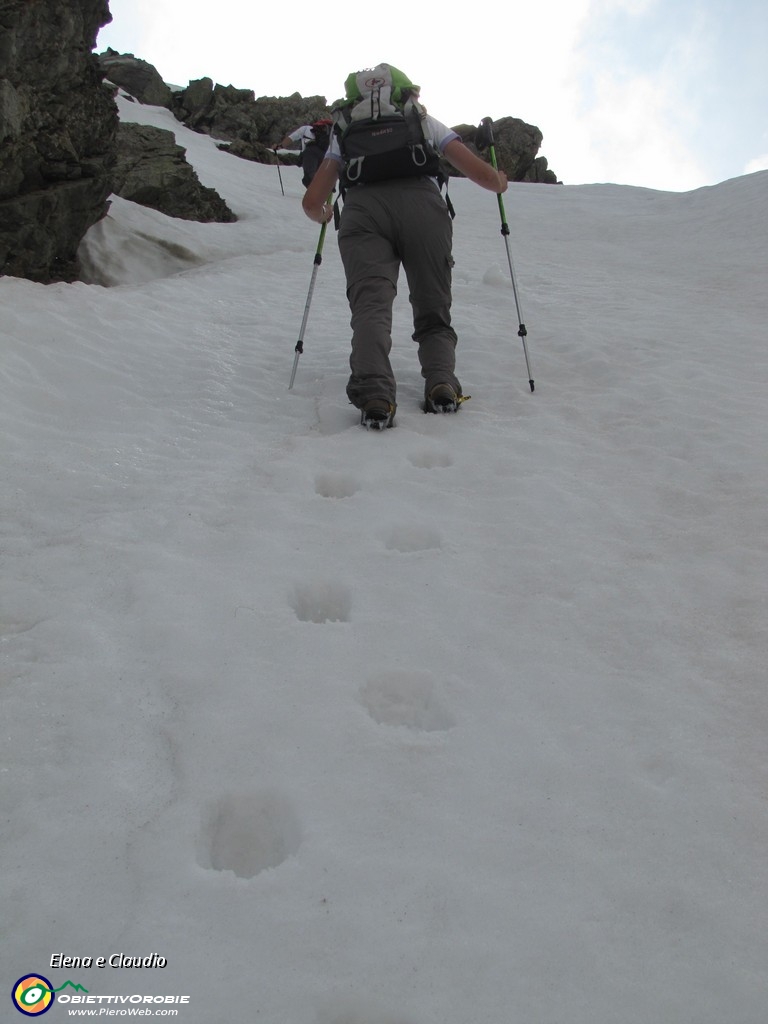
(630, 131)
(631, 121)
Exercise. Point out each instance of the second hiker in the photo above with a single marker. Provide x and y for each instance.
(312, 140)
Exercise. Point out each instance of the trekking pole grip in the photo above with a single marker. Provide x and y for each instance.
(484, 133)
(484, 140)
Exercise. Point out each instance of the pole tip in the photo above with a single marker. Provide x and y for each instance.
(531, 383)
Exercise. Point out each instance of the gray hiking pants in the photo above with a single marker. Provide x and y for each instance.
(383, 225)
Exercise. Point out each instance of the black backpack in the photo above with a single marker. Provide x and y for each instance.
(380, 131)
(322, 133)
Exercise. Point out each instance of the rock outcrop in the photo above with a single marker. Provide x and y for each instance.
(152, 170)
(246, 126)
(138, 78)
(58, 124)
(517, 145)
(249, 127)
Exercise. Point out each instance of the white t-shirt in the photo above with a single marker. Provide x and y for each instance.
(303, 135)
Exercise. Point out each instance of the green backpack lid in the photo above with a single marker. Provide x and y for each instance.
(382, 74)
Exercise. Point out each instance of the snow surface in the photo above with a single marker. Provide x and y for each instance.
(460, 723)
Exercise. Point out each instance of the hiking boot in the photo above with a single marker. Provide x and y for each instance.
(377, 414)
(442, 398)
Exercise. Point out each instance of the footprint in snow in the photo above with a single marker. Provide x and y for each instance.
(322, 601)
(430, 459)
(335, 485)
(248, 833)
(409, 699)
(412, 538)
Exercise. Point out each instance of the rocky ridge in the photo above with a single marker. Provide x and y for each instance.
(248, 126)
(63, 150)
(58, 126)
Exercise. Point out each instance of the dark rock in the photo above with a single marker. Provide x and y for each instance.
(541, 173)
(140, 79)
(152, 170)
(257, 152)
(236, 116)
(516, 145)
(57, 134)
(192, 103)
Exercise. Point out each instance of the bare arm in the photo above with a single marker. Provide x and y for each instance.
(315, 201)
(476, 170)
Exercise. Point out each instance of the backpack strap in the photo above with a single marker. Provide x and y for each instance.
(341, 116)
(378, 100)
(415, 114)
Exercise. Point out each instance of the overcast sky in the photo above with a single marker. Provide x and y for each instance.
(667, 94)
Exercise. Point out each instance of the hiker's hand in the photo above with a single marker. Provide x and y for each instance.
(502, 182)
(321, 214)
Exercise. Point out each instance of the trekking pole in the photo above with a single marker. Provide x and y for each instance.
(484, 139)
(279, 172)
(318, 260)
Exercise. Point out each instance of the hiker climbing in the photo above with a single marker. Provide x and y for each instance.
(312, 140)
(385, 154)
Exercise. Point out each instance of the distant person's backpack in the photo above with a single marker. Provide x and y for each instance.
(379, 129)
(322, 132)
(314, 149)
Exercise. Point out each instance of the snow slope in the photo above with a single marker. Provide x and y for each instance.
(463, 722)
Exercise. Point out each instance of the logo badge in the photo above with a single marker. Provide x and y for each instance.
(32, 995)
